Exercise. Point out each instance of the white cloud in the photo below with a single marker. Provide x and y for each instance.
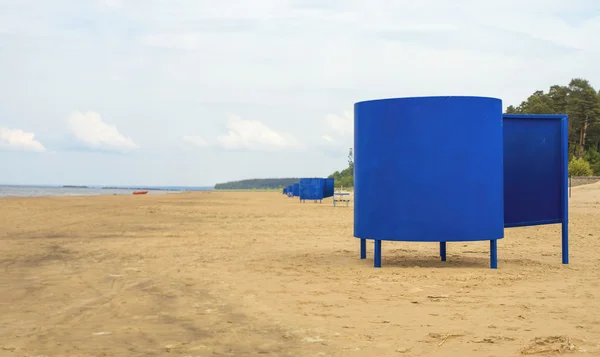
(341, 125)
(183, 41)
(178, 68)
(115, 4)
(338, 134)
(327, 138)
(18, 140)
(253, 135)
(94, 133)
(333, 147)
(195, 141)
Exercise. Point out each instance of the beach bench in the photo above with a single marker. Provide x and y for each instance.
(341, 197)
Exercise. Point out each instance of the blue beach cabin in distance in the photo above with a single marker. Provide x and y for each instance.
(316, 188)
(329, 187)
(311, 189)
(296, 189)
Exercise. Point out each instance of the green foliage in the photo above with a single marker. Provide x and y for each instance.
(580, 167)
(596, 168)
(593, 157)
(344, 178)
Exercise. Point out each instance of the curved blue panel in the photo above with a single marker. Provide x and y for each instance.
(428, 169)
(296, 189)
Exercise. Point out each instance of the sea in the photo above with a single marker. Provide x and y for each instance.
(46, 190)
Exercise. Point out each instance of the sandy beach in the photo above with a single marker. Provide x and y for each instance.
(245, 274)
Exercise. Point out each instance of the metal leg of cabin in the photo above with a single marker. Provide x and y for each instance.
(363, 248)
(443, 251)
(377, 254)
(494, 254)
(565, 242)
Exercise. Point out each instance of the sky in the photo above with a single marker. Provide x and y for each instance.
(197, 92)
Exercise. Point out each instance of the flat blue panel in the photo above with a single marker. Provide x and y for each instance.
(534, 177)
(329, 187)
(428, 169)
(312, 188)
(296, 189)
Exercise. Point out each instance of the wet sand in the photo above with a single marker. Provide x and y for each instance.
(245, 274)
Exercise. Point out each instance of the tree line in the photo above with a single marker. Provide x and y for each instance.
(257, 184)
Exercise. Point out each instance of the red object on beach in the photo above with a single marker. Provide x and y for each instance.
(140, 192)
